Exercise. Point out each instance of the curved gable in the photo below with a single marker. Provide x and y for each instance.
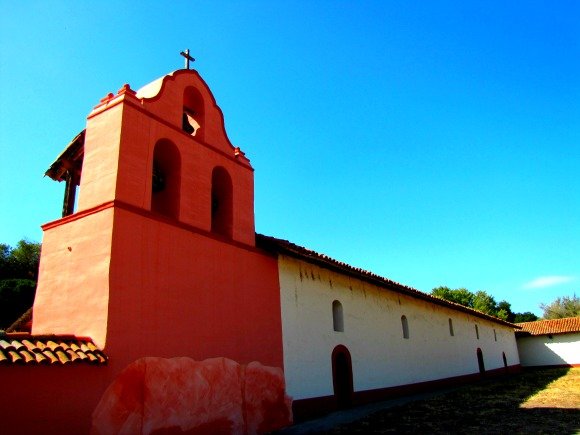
(182, 98)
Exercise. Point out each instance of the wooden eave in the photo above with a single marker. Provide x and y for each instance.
(70, 158)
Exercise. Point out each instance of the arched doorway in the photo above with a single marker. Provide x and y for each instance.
(342, 376)
(480, 361)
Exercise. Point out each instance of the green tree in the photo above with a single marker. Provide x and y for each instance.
(6, 267)
(525, 317)
(504, 311)
(26, 258)
(562, 307)
(460, 296)
(16, 296)
(485, 303)
(18, 276)
(480, 300)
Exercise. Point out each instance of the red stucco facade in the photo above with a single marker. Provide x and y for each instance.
(158, 261)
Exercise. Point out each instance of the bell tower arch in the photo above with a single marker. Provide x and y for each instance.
(166, 179)
(193, 112)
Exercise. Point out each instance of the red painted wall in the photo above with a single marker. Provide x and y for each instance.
(50, 399)
(177, 292)
(147, 283)
(155, 283)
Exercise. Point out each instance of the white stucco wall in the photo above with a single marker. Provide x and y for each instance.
(541, 350)
(381, 357)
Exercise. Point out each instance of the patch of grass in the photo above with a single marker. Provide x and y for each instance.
(563, 392)
(533, 402)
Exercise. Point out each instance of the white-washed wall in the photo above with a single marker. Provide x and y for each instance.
(373, 334)
(541, 350)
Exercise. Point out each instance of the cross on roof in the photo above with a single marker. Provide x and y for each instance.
(187, 58)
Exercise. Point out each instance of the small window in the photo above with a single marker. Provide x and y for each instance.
(494, 335)
(504, 359)
(405, 325)
(451, 328)
(337, 317)
(477, 332)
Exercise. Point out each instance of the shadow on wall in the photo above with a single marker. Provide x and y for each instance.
(535, 351)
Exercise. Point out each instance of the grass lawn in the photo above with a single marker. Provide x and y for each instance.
(543, 401)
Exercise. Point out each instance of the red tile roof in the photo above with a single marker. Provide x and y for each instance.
(554, 326)
(273, 244)
(23, 348)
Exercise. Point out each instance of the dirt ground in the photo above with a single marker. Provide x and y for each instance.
(534, 402)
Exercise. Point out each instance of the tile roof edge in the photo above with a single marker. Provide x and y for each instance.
(30, 349)
(270, 243)
(565, 325)
(28, 335)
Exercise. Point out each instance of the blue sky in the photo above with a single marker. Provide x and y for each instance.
(434, 143)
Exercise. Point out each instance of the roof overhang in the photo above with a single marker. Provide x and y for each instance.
(280, 246)
(70, 158)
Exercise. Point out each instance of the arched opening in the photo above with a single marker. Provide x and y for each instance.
(221, 202)
(405, 326)
(166, 179)
(477, 332)
(337, 317)
(342, 376)
(451, 328)
(505, 365)
(193, 113)
(480, 362)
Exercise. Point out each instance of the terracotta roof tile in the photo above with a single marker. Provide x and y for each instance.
(553, 326)
(23, 348)
(27, 356)
(14, 357)
(273, 244)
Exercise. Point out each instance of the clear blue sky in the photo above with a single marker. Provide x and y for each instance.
(434, 143)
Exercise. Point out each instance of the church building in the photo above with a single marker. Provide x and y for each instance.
(155, 267)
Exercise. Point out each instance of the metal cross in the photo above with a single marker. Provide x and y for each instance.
(187, 58)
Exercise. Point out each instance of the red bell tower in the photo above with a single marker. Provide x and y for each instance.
(160, 257)
(164, 149)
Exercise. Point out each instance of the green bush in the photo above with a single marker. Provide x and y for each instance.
(16, 296)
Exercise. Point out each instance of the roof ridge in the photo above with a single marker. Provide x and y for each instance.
(285, 246)
(551, 326)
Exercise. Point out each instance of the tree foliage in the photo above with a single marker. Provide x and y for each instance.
(16, 296)
(460, 296)
(527, 316)
(18, 276)
(482, 301)
(562, 307)
(20, 262)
